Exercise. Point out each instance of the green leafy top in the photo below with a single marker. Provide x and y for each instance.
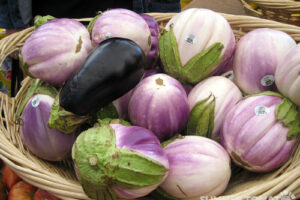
(40, 20)
(269, 93)
(197, 68)
(202, 118)
(92, 22)
(62, 120)
(37, 87)
(101, 164)
(24, 67)
(287, 113)
(107, 112)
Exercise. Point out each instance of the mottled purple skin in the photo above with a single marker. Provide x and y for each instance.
(140, 140)
(121, 104)
(226, 94)
(256, 142)
(152, 56)
(198, 167)
(46, 143)
(122, 23)
(56, 50)
(208, 27)
(159, 103)
(228, 66)
(257, 54)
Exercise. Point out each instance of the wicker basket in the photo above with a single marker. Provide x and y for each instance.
(287, 11)
(59, 178)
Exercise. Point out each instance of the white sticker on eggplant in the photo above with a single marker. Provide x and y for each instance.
(261, 110)
(108, 35)
(267, 80)
(191, 39)
(35, 101)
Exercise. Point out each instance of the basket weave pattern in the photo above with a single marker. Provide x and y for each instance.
(286, 11)
(59, 178)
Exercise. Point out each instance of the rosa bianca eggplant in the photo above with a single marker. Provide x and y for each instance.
(152, 56)
(56, 50)
(121, 104)
(46, 143)
(209, 102)
(123, 23)
(256, 57)
(260, 125)
(37, 87)
(199, 167)
(119, 161)
(287, 75)
(119, 107)
(195, 44)
(159, 103)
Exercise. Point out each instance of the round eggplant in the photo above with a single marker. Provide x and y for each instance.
(113, 68)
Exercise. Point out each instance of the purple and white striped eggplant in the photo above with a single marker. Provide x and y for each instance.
(152, 56)
(46, 143)
(264, 124)
(209, 102)
(123, 23)
(121, 104)
(159, 103)
(256, 57)
(56, 50)
(119, 161)
(287, 75)
(198, 167)
(196, 44)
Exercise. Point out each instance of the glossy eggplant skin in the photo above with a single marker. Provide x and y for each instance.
(113, 68)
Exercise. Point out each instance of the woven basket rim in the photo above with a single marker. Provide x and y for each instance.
(287, 5)
(279, 10)
(60, 187)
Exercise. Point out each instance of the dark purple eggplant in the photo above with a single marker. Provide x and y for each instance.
(113, 68)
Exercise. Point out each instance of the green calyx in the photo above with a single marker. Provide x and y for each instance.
(63, 120)
(286, 112)
(114, 121)
(92, 22)
(198, 67)
(24, 67)
(40, 20)
(37, 87)
(101, 164)
(269, 93)
(202, 116)
(108, 112)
